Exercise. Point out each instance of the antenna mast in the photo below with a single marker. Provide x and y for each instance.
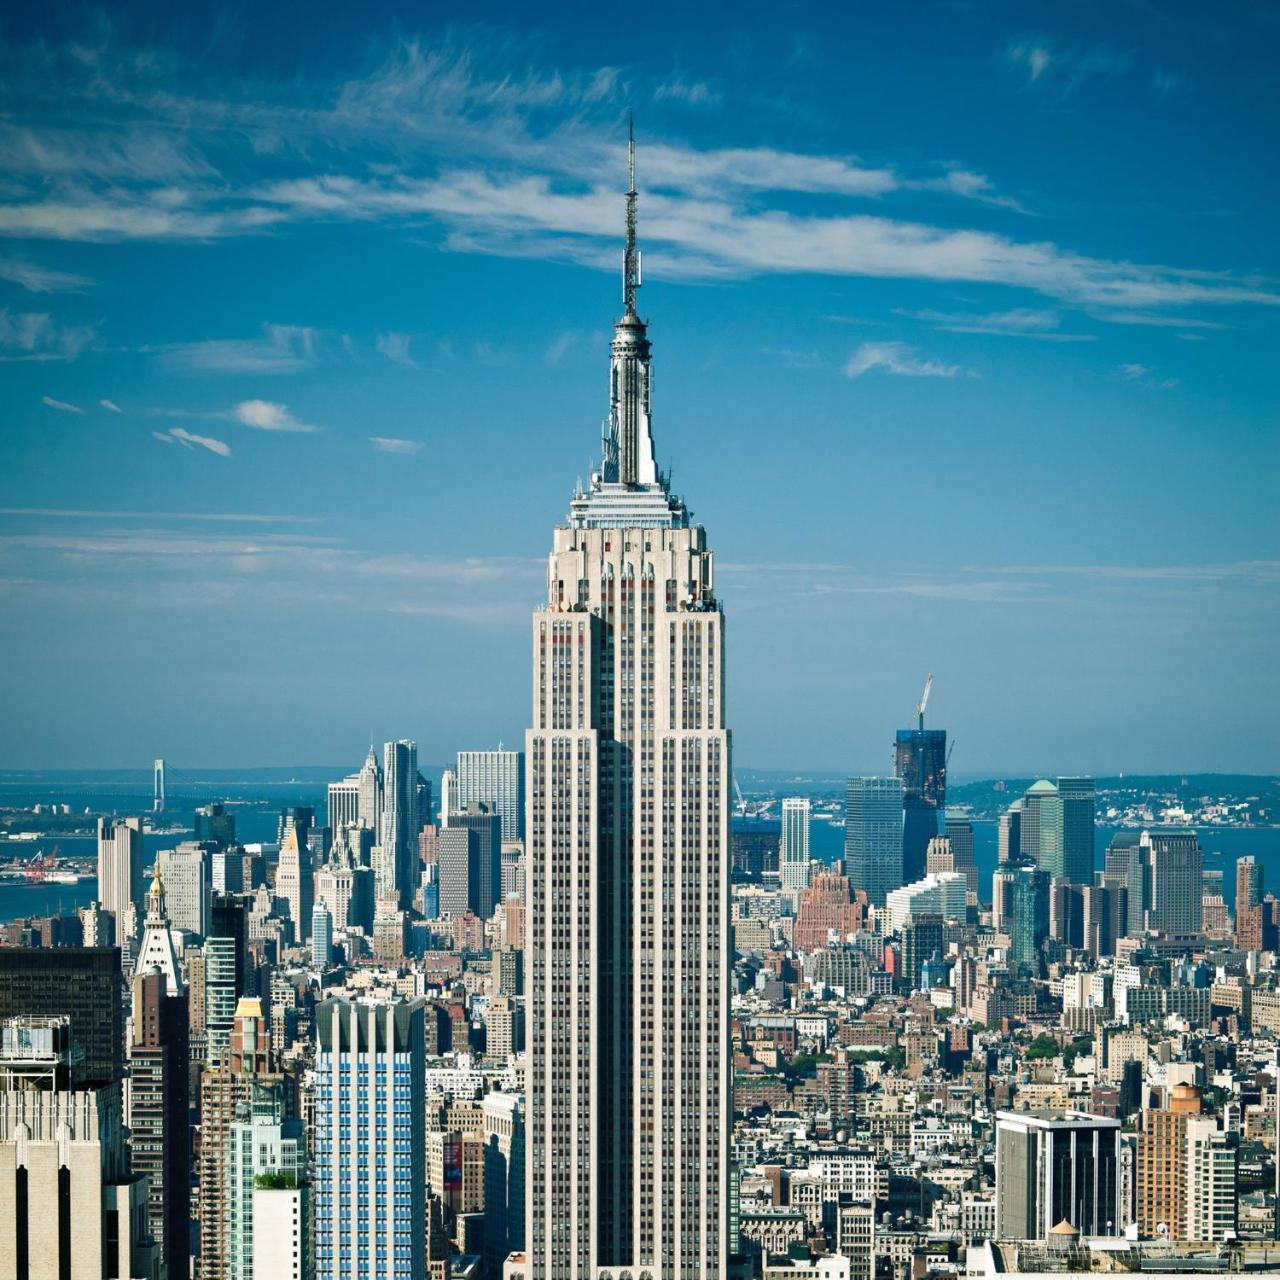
(631, 268)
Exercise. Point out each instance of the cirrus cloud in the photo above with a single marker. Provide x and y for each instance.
(897, 358)
(393, 444)
(188, 440)
(266, 415)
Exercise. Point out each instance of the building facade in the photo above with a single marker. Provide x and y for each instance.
(494, 779)
(369, 1179)
(873, 836)
(628, 871)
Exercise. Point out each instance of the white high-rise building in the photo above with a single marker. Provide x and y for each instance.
(295, 883)
(283, 1227)
(495, 779)
(263, 1145)
(941, 894)
(342, 802)
(158, 951)
(448, 795)
(628, 862)
(120, 874)
(793, 851)
(321, 935)
(186, 875)
(1211, 1180)
(370, 793)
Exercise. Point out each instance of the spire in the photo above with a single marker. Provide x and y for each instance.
(631, 262)
(629, 490)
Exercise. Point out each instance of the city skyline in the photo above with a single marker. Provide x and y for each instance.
(1015, 355)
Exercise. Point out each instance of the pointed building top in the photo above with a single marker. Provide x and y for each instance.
(631, 262)
(629, 491)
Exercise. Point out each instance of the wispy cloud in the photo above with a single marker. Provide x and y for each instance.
(1033, 56)
(1049, 63)
(897, 358)
(560, 346)
(516, 159)
(111, 406)
(392, 444)
(37, 279)
(179, 435)
(396, 347)
(1019, 322)
(281, 349)
(265, 415)
(794, 359)
(1140, 374)
(62, 405)
(77, 513)
(31, 335)
(692, 93)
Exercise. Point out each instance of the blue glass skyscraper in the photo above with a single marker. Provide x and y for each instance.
(370, 1177)
(920, 760)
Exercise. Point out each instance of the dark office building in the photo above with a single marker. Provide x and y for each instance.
(215, 825)
(755, 849)
(159, 1115)
(1028, 917)
(920, 760)
(922, 939)
(1054, 1167)
(81, 983)
(471, 862)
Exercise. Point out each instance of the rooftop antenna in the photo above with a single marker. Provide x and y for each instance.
(631, 263)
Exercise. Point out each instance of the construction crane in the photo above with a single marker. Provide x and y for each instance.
(924, 701)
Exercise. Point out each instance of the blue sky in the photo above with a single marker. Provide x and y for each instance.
(964, 319)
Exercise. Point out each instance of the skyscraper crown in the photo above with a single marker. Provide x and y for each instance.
(629, 490)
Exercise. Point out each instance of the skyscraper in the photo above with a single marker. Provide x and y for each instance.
(873, 836)
(72, 1206)
(1212, 1159)
(81, 984)
(959, 830)
(1176, 862)
(158, 953)
(793, 852)
(244, 1065)
(399, 838)
(120, 876)
(1249, 909)
(370, 786)
(1077, 796)
(185, 872)
(321, 935)
(370, 1179)
(214, 825)
(158, 1115)
(1125, 864)
(494, 779)
(263, 1142)
(295, 882)
(1041, 837)
(224, 970)
(342, 802)
(1054, 1167)
(628, 869)
(920, 761)
(471, 862)
(1009, 840)
(1028, 917)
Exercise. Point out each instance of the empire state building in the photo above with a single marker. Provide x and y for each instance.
(628, 954)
